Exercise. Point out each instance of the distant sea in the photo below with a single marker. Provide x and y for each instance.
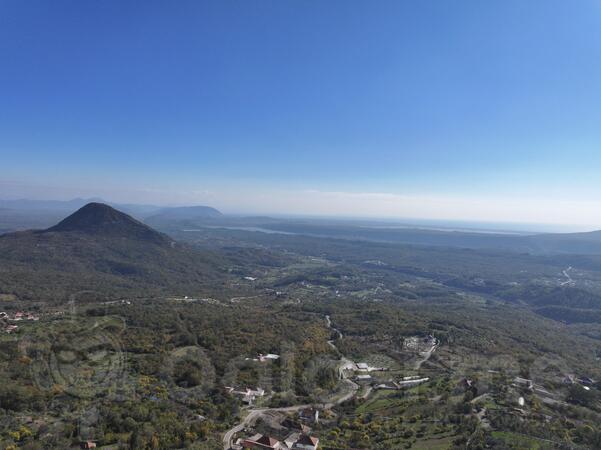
(256, 229)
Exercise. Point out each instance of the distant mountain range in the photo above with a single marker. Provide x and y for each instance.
(184, 213)
(46, 205)
(103, 249)
(24, 214)
(139, 210)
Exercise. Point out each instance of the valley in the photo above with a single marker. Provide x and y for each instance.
(395, 346)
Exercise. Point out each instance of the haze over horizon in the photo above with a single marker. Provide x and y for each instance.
(434, 111)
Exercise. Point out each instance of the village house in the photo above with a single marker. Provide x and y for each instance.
(260, 441)
(263, 358)
(305, 442)
(292, 439)
(363, 378)
(18, 316)
(364, 367)
(309, 415)
(268, 357)
(295, 441)
(248, 395)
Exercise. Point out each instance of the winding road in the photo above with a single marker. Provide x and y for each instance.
(344, 365)
(426, 356)
(251, 418)
(569, 280)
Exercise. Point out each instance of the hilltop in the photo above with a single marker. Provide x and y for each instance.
(102, 220)
(100, 248)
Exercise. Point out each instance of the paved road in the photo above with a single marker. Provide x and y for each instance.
(253, 414)
(566, 274)
(337, 331)
(366, 393)
(251, 418)
(426, 356)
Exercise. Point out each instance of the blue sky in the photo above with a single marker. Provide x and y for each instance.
(300, 107)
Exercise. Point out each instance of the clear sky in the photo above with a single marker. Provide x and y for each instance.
(475, 110)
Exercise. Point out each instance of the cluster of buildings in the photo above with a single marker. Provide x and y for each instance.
(295, 441)
(249, 395)
(16, 317)
(360, 370)
(586, 382)
(297, 437)
(551, 398)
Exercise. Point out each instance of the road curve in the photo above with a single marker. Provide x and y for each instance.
(254, 414)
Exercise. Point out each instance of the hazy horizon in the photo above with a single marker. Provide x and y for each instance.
(393, 221)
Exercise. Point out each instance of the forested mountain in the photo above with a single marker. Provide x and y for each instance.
(98, 247)
(100, 220)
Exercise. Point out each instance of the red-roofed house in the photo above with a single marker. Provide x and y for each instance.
(306, 442)
(261, 441)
